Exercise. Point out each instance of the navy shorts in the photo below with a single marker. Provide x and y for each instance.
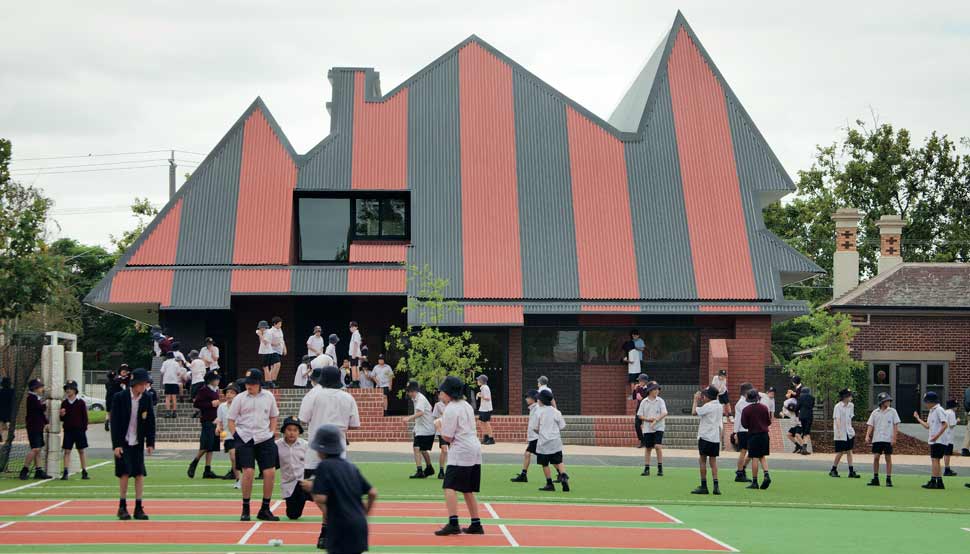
(651, 440)
(463, 478)
(545, 459)
(208, 439)
(937, 451)
(36, 439)
(171, 388)
(485, 416)
(882, 448)
(742, 440)
(74, 438)
(228, 445)
(250, 454)
(708, 448)
(723, 398)
(423, 442)
(271, 359)
(131, 462)
(532, 446)
(442, 443)
(845, 446)
(759, 445)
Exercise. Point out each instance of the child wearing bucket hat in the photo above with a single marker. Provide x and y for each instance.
(464, 471)
(314, 344)
(651, 414)
(206, 401)
(842, 416)
(935, 423)
(74, 424)
(756, 418)
(881, 430)
(951, 423)
(253, 424)
(292, 453)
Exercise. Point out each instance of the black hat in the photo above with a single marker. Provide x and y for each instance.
(652, 387)
(291, 421)
(797, 380)
(140, 375)
(328, 440)
(845, 393)
(34, 384)
(254, 376)
(883, 397)
(931, 397)
(643, 378)
(234, 388)
(262, 324)
(380, 356)
(122, 366)
(722, 372)
(240, 384)
(413, 386)
(533, 394)
(752, 395)
(71, 385)
(452, 386)
(330, 377)
(711, 392)
(770, 389)
(211, 377)
(545, 396)
(950, 404)
(316, 374)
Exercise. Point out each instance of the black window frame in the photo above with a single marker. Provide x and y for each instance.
(352, 235)
(380, 197)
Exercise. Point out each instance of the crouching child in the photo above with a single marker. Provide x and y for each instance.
(292, 452)
(549, 424)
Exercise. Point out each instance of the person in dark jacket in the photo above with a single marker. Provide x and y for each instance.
(207, 402)
(806, 414)
(36, 421)
(6, 404)
(132, 432)
(115, 382)
(74, 424)
(756, 418)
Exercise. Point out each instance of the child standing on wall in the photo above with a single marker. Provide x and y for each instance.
(720, 382)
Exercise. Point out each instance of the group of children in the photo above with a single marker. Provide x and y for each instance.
(73, 414)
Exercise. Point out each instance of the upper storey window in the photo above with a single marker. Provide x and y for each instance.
(329, 222)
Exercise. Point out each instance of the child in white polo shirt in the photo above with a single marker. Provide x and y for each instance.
(936, 425)
(652, 412)
(464, 472)
(708, 435)
(424, 431)
(531, 400)
(484, 396)
(842, 416)
(951, 423)
(549, 424)
(720, 382)
(292, 453)
(881, 430)
(436, 413)
(741, 435)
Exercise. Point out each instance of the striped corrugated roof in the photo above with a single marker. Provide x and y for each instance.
(517, 192)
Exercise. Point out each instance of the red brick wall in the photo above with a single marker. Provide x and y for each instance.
(915, 334)
(604, 389)
(755, 327)
(714, 328)
(718, 358)
(514, 373)
(745, 364)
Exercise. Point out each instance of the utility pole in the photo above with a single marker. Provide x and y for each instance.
(171, 175)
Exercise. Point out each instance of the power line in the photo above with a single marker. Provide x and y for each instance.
(167, 150)
(86, 170)
(86, 165)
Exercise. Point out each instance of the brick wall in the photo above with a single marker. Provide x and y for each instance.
(604, 389)
(514, 374)
(755, 327)
(745, 364)
(713, 328)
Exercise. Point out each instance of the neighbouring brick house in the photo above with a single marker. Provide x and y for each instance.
(557, 230)
(913, 320)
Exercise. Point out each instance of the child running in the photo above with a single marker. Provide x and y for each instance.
(549, 424)
(531, 399)
(464, 472)
(74, 420)
(437, 413)
(652, 412)
(936, 425)
(424, 431)
(708, 435)
(842, 416)
(881, 430)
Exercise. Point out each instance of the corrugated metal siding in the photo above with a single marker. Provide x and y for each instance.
(489, 199)
(547, 231)
(434, 174)
(613, 308)
(380, 142)
(208, 218)
(364, 253)
(327, 165)
(601, 207)
(715, 217)
(201, 288)
(260, 281)
(662, 245)
(159, 247)
(145, 286)
(321, 280)
(730, 309)
(264, 210)
(376, 281)
(100, 294)
(493, 315)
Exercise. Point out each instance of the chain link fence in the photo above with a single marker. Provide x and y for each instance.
(20, 362)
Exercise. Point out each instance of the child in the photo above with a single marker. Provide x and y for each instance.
(364, 379)
(720, 382)
(632, 359)
(437, 413)
(757, 420)
(222, 428)
(302, 376)
(132, 410)
(549, 424)
(279, 348)
(530, 399)
(292, 453)
(881, 430)
(74, 421)
(806, 414)
(464, 472)
(542, 383)
(346, 373)
(484, 397)
(354, 351)
(6, 404)
(789, 409)
(844, 433)
(210, 355)
(423, 431)
(328, 404)
(206, 400)
(639, 393)
(197, 372)
(314, 344)
(36, 422)
(332, 341)
(651, 414)
(741, 435)
(383, 376)
(708, 435)
(172, 374)
(336, 490)
(936, 424)
(253, 424)
(951, 423)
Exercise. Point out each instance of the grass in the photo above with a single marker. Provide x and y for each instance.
(96, 416)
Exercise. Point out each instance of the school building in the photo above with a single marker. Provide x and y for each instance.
(558, 231)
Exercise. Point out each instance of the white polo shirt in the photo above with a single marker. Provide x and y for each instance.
(439, 409)
(382, 374)
(171, 372)
(633, 358)
(550, 423)
(355, 342)
(331, 351)
(252, 414)
(531, 434)
(842, 416)
(882, 422)
(292, 461)
(720, 383)
(322, 406)
(300, 378)
(951, 422)
(652, 408)
(265, 341)
(314, 345)
(738, 408)
(210, 355)
(458, 422)
(323, 360)
(709, 427)
(485, 400)
(937, 421)
(222, 416)
(197, 369)
(276, 340)
(423, 424)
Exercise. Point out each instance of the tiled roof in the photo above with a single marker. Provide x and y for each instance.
(938, 286)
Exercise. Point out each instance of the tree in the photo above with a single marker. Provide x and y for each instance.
(829, 367)
(144, 212)
(28, 272)
(428, 353)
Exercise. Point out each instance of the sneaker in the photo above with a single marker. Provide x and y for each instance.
(419, 475)
(448, 529)
(833, 472)
(265, 515)
(854, 475)
(229, 475)
(192, 467)
(64, 476)
(488, 440)
(965, 452)
(660, 472)
(24, 474)
(558, 479)
(237, 485)
(939, 484)
(646, 472)
(700, 490)
(717, 490)
(889, 481)
(949, 473)
(140, 514)
(766, 483)
(84, 474)
(428, 471)
(565, 484)
(798, 449)
(322, 542)
(473, 529)
(107, 426)
(520, 478)
(874, 482)
(753, 485)
(741, 477)
(929, 485)
(805, 452)
(441, 473)
(123, 514)
(244, 516)
(548, 487)
(209, 474)
(41, 474)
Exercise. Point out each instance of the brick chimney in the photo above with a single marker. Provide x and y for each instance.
(845, 261)
(890, 241)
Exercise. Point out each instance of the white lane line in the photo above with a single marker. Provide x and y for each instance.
(35, 483)
(51, 507)
(249, 533)
(275, 505)
(967, 529)
(666, 515)
(491, 511)
(710, 538)
(7, 524)
(509, 537)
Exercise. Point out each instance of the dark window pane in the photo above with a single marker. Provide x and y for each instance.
(368, 218)
(393, 215)
(671, 347)
(907, 374)
(934, 374)
(880, 374)
(604, 346)
(324, 226)
(545, 346)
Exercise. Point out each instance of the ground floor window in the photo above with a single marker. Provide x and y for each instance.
(907, 382)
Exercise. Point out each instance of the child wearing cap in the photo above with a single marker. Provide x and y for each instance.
(720, 382)
(708, 435)
(464, 471)
(132, 435)
(757, 420)
(336, 489)
(36, 421)
(424, 431)
(549, 425)
(484, 397)
(740, 435)
(74, 424)
(951, 423)
(206, 401)
(436, 413)
(383, 376)
(210, 354)
(936, 425)
(292, 453)
(531, 399)
(652, 412)
(314, 344)
(253, 424)
(302, 376)
(639, 393)
(881, 430)
(222, 430)
(844, 434)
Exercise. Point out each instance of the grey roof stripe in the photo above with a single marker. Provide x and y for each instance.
(328, 165)
(201, 288)
(322, 280)
(434, 174)
(208, 223)
(546, 227)
(664, 265)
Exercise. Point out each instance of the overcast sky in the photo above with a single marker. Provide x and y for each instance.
(112, 77)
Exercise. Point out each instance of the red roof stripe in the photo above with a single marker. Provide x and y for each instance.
(361, 252)
(388, 281)
(492, 264)
(494, 315)
(260, 280)
(159, 247)
(380, 141)
(264, 209)
(601, 211)
(712, 193)
(150, 286)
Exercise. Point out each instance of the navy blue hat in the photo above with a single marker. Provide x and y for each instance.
(533, 394)
(212, 377)
(140, 375)
(328, 440)
(545, 396)
(291, 421)
(254, 376)
(70, 385)
(845, 393)
(452, 386)
(931, 397)
(34, 384)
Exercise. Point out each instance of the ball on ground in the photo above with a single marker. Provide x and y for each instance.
(276, 542)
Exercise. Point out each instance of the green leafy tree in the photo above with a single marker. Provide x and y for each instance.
(829, 367)
(144, 212)
(427, 353)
